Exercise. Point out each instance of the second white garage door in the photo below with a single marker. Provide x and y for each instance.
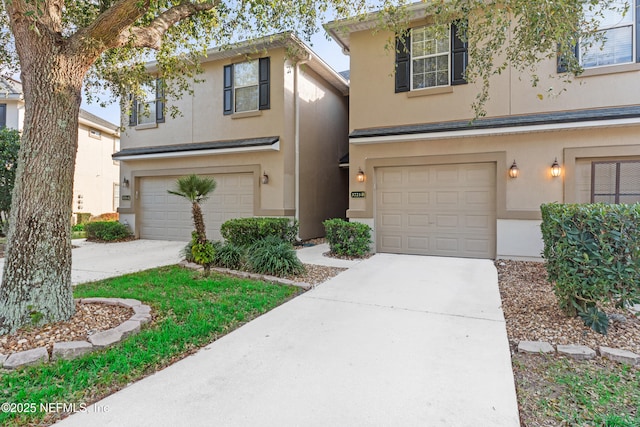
(164, 216)
(445, 210)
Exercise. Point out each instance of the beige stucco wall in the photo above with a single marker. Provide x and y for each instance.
(15, 113)
(324, 139)
(96, 173)
(374, 103)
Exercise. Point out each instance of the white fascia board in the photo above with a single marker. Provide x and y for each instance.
(494, 131)
(194, 153)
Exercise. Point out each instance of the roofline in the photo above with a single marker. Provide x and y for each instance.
(275, 41)
(341, 29)
(88, 119)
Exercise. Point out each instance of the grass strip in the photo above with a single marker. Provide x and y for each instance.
(189, 312)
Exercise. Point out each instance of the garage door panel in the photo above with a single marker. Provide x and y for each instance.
(167, 217)
(446, 210)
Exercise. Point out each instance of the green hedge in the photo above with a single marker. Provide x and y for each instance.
(107, 231)
(593, 254)
(347, 238)
(246, 231)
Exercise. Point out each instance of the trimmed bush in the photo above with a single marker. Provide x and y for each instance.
(246, 231)
(273, 256)
(77, 227)
(347, 238)
(593, 255)
(229, 256)
(107, 231)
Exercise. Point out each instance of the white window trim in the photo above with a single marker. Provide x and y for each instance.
(448, 54)
(256, 85)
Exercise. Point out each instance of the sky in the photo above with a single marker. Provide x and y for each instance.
(328, 50)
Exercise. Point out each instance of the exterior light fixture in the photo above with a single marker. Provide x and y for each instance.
(361, 177)
(125, 182)
(513, 170)
(556, 170)
(265, 178)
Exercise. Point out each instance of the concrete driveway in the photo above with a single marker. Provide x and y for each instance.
(96, 261)
(396, 340)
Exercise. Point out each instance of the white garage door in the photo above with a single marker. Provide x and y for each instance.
(446, 210)
(164, 216)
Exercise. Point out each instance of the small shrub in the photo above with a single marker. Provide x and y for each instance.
(593, 256)
(246, 231)
(273, 256)
(229, 256)
(347, 238)
(77, 227)
(107, 231)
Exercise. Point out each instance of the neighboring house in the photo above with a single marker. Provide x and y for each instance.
(96, 178)
(269, 125)
(435, 184)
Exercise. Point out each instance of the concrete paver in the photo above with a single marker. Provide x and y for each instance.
(396, 340)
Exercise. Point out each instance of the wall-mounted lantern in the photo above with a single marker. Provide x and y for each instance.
(361, 177)
(556, 169)
(125, 183)
(265, 178)
(513, 170)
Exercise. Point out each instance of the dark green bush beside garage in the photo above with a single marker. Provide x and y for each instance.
(592, 254)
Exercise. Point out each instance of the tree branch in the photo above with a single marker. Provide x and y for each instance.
(151, 35)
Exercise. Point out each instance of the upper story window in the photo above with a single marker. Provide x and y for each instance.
(246, 86)
(613, 43)
(615, 182)
(430, 56)
(151, 109)
(95, 133)
(430, 52)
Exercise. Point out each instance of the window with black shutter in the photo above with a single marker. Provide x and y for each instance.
(246, 86)
(430, 56)
(3, 115)
(151, 110)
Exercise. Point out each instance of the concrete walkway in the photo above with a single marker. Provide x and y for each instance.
(92, 261)
(396, 340)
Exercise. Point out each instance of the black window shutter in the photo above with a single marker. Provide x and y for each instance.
(159, 101)
(403, 61)
(459, 57)
(3, 116)
(133, 113)
(264, 84)
(228, 89)
(562, 61)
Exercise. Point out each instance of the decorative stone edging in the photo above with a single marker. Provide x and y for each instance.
(247, 275)
(580, 352)
(72, 349)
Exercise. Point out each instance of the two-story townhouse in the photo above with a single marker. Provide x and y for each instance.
(436, 183)
(96, 178)
(268, 120)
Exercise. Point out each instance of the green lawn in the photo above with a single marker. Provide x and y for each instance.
(558, 391)
(189, 312)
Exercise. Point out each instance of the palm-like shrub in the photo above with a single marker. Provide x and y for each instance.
(195, 189)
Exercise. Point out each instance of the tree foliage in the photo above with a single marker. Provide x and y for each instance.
(9, 145)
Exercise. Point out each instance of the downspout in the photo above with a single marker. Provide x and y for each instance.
(296, 129)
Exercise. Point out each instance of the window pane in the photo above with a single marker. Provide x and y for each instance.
(443, 78)
(615, 48)
(146, 112)
(430, 79)
(245, 74)
(630, 182)
(430, 57)
(418, 81)
(612, 16)
(247, 99)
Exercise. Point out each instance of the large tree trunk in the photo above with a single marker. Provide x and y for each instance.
(36, 284)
